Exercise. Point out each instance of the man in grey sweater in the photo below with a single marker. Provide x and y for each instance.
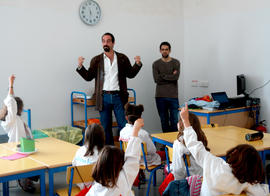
(166, 72)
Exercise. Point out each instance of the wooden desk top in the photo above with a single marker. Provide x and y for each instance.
(221, 139)
(218, 111)
(17, 166)
(51, 152)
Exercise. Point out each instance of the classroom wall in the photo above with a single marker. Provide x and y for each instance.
(41, 41)
(214, 40)
(223, 39)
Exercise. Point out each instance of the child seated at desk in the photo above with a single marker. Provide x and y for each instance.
(12, 122)
(242, 170)
(89, 152)
(115, 171)
(16, 127)
(179, 149)
(132, 113)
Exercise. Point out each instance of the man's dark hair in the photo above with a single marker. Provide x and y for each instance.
(165, 44)
(109, 35)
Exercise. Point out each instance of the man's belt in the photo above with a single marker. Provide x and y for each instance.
(111, 92)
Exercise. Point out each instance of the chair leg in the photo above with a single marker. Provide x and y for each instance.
(149, 183)
(155, 178)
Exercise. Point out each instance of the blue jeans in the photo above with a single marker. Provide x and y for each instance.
(112, 102)
(168, 113)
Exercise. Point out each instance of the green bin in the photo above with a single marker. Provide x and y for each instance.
(67, 133)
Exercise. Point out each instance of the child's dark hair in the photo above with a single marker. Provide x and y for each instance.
(246, 164)
(19, 105)
(108, 166)
(133, 112)
(94, 136)
(196, 125)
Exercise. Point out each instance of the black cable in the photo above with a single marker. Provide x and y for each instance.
(258, 87)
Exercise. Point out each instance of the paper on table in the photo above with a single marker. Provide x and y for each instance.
(14, 156)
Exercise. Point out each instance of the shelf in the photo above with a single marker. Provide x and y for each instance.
(81, 123)
(92, 102)
(89, 102)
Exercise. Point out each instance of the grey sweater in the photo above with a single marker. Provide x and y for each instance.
(167, 82)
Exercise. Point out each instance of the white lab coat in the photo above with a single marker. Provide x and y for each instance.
(217, 174)
(152, 157)
(80, 159)
(178, 165)
(13, 124)
(126, 176)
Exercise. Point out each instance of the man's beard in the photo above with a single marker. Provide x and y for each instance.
(165, 56)
(106, 48)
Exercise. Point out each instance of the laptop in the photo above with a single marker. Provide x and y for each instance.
(222, 98)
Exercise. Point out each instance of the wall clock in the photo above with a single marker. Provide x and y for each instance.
(90, 12)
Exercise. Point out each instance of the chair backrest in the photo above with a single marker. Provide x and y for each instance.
(170, 153)
(209, 125)
(28, 111)
(169, 157)
(187, 162)
(123, 146)
(132, 99)
(79, 174)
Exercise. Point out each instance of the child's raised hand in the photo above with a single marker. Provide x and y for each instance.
(185, 115)
(138, 124)
(11, 79)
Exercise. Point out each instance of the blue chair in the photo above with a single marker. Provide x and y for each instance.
(132, 99)
(28, 111)
(75, 175)
(169, 155)
(151, 169)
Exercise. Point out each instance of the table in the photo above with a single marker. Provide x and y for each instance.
(56, 155)
(221, 139)
(234, 116)
(20, 168)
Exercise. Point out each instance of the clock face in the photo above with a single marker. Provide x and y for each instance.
(90, 12)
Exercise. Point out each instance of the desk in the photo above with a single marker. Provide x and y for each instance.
(56, 155)
(20, 168)
(236, 116)
(221, 139)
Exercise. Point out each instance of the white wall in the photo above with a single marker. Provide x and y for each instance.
(226, 38)
(41, 40)
(214, 39)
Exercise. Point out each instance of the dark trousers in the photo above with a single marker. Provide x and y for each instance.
(112, 102)
(168, 113)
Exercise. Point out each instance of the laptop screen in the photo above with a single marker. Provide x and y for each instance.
(221, 97)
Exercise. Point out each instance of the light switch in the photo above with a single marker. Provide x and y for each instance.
(203, 83)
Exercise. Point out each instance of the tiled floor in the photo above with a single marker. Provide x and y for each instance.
(60, 182)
